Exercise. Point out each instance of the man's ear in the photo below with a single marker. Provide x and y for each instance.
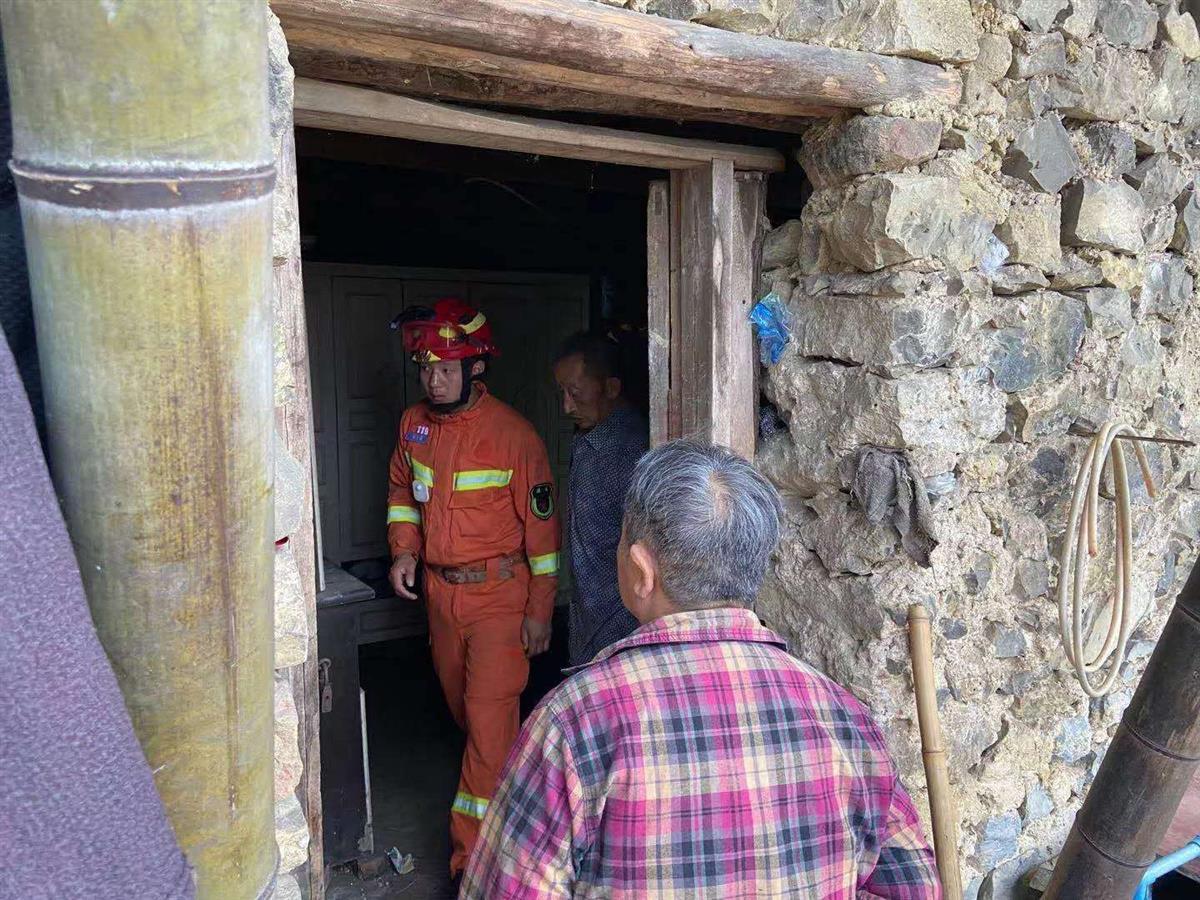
(646, 570)
(477, 368)
(612, 388)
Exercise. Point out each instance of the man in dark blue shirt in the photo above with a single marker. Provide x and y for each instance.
(611, 436)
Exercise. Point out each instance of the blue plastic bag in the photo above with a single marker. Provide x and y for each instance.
(995, 254)
(773, 321)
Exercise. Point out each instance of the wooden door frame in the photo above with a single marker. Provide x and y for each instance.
(704, 232)
(703, 245)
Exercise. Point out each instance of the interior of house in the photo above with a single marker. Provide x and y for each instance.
(545, 247)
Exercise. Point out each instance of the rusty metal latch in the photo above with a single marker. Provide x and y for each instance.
(325, 682)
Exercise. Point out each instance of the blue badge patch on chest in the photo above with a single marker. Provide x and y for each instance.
(419, 435)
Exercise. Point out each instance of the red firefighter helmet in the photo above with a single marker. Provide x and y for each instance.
(451, 329)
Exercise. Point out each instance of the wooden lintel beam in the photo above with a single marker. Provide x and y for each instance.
(467, 162)
(461, 86)
(589, 46)
(343, 107)
(342, 40)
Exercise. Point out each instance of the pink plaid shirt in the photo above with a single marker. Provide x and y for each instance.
(696, 758)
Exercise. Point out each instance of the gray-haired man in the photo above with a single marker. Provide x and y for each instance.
(696, 757)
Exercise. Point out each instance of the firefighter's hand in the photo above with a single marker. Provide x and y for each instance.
(404, 575)
(535, 636)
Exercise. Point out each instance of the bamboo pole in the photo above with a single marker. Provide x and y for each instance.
(942, 813)
(1146, 771)
(142, 156)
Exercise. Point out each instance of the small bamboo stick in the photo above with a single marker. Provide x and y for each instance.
(933, 752)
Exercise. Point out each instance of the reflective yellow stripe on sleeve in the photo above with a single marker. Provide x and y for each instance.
(469, 805)
(479, 479)
(547, 564)
(408, 514)
(421, 472)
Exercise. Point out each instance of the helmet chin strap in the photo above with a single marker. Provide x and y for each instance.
(468, 384)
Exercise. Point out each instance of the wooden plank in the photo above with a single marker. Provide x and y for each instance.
(720, 215)
(459, 85)
(318, 303)
(470, 161)
(658, 307)
(734, 395)
(703, 249)
(584, 40)
(675, 399)
(293, 420)
(347, 108)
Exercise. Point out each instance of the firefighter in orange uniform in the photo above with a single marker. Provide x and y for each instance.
(471, 496)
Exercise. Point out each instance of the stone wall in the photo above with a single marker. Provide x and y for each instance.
(295, 595)
(966, 283)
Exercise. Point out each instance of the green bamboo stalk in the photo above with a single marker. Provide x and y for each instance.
(142, 154)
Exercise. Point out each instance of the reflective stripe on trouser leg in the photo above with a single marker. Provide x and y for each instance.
(469, 805)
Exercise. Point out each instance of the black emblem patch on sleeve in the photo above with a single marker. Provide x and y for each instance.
(541, 500)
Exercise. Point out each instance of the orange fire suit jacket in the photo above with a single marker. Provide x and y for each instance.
(475, 485)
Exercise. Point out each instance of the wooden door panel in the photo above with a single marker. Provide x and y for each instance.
(367, 514)
(322, 365)
(370, 397)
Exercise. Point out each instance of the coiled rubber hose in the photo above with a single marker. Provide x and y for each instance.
(1073, 562)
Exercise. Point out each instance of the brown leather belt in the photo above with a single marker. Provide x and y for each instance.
(498, 568)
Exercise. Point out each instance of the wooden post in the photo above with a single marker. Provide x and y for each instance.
(937, 779)
(733, 350)
(718, 232)
(658, 308)
(675, 391)
(1145, 772)
(143, 160)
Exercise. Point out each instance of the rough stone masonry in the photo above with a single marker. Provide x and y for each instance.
(965, 284)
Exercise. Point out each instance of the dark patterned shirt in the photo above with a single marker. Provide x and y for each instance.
(696, 758)
(602, 462)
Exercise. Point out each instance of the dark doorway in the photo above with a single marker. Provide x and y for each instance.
(545, 247)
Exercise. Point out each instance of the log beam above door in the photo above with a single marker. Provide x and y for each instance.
(342, 107)
(587, 46)
(406, 73)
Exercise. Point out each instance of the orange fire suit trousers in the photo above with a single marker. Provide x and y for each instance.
(475, 636)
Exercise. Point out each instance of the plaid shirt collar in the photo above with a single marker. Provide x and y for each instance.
(724, 623)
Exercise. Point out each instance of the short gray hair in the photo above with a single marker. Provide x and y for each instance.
(710, 519)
